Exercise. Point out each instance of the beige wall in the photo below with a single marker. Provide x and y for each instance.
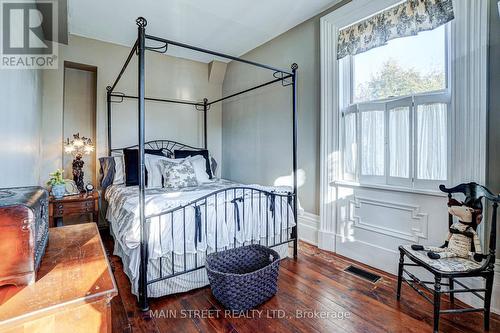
(166, 77)
(20, 114)
(79, 117)
(257, 127)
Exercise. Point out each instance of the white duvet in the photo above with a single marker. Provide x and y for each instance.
(258, 220)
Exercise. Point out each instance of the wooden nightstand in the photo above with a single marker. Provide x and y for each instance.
(73, 205)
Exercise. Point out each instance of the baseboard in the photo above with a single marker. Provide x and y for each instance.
(310, 232)
(495, 299)
(365, 252)
(326, 240)
(472, 300)
(308, 228)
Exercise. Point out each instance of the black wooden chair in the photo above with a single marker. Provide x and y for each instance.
(454, 268)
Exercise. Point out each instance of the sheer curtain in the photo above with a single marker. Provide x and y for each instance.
(350, 144)
(431, 141)
(372, 143)
(399, 142)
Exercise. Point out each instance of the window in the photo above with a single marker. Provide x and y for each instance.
(395, 103)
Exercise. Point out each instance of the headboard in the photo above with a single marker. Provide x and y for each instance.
(168, 145)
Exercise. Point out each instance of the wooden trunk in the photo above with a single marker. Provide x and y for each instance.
(73, 289)
(23, 233)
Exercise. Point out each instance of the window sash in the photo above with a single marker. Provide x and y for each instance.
(346, 70)
(347, 65)
(406, 102)
(412, 102)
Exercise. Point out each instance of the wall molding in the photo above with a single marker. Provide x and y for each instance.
(327, 240)
(418, 229)
(329, 140)
(469, 83)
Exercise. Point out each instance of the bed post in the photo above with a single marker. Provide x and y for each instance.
(294, 120)
(205, 109)
(143, 286)
(108, 101)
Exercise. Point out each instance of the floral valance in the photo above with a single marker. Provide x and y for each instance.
(405, 19)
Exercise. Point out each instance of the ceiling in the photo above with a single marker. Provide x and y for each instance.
(229, 26)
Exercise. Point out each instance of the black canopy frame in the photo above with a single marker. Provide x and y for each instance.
(286, 77)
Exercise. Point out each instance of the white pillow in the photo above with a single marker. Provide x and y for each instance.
(152, 163)
(200, 169)
(178, 175)
(119, 177)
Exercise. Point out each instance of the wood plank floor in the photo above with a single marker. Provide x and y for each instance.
(314, 286)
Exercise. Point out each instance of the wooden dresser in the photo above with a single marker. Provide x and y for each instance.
(73, 287)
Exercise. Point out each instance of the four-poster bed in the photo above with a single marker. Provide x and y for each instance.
(222, 216)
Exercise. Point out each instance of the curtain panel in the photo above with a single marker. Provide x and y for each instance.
(405, 19)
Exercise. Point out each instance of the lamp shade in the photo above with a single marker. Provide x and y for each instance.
(78, 146)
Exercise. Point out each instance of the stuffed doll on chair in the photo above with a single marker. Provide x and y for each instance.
(462, 238)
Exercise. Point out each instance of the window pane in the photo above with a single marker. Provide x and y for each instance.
(399, 142)
(372, 143)
(404, 66)
(350, 143)
(432, 141)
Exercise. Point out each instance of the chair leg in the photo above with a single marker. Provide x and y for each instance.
(487, 301)
(437, 302)
(400, 274)
(451, 287)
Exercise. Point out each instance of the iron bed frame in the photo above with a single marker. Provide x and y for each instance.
(286, 77)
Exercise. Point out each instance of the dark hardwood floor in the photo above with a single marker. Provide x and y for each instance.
(315, 295)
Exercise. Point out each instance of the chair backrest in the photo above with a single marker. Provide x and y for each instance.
(474, 193)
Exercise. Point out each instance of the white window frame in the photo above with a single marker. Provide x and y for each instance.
(346, 105)
(350, 110)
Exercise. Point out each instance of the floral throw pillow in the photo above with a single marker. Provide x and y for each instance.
(178, 175)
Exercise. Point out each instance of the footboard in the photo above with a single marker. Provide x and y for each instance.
(226, 218)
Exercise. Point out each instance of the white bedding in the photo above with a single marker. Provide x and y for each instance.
(167, 233)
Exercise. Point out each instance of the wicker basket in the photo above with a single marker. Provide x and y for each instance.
(244, 277)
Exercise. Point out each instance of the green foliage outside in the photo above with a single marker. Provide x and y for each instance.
(393, 80)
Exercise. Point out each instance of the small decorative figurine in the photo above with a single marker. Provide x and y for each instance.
(462, 238)
(78, 147)
(78, 172)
